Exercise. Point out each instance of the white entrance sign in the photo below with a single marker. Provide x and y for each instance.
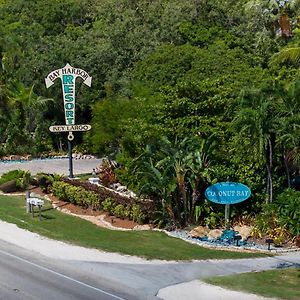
(68, 75)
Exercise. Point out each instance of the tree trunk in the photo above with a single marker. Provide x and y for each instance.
(195, 196)
(269, 162)
(285, 26)
(287, 170)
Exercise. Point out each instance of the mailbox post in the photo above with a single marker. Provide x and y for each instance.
(31, 202)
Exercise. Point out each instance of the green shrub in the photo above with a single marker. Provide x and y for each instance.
(21, 178)
(281, 219)
(11, 175)
(45, 181)
(59, 190)
(79, 196)
(108, 205)
(136, 214)
(75, 194)
(23, 181)
(288, 206)
(72, 193)
(119, 211)
(266, 222)
(92, 200)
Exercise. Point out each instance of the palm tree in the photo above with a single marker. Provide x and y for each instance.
(181, 169)
(256, 119)
(291, 54)
(289, 126)
(27, 102)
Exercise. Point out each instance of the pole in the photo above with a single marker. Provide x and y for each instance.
(227, 212)
(28, 206)
(70, 159)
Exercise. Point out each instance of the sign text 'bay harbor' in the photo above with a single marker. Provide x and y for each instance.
(68, 75)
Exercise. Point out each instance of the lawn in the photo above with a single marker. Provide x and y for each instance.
(148, 244)
(281, 284)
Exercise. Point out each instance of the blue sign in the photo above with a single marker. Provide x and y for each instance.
(227, 192)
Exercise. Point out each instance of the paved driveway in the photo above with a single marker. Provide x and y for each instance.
(59, 166)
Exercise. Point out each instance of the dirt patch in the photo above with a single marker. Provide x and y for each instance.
(120, 223)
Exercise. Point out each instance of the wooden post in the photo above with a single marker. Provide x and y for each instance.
(28, 207)
(40, 209)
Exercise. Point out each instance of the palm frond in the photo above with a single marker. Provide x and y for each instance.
(291, 55)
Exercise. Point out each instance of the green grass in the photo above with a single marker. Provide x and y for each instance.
(281, 284)
(148, 244)
(84, 176)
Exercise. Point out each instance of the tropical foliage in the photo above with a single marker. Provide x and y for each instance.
(184, 93)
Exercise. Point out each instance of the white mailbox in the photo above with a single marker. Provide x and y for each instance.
(36, 201)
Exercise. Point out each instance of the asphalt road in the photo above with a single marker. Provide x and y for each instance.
(23, 277)
(58, 166)
(26, 274)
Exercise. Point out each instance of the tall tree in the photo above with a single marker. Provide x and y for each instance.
(256, 119)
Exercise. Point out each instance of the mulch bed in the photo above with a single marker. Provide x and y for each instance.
(78, 210)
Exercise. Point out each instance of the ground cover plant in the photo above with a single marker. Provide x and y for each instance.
(15, 180)
(148, 244)
(264, 283)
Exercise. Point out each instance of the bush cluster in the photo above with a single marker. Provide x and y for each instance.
(281, 219)
(76, 195)
(80, 196)
(147, 207)
(15, 180)
(133, 211)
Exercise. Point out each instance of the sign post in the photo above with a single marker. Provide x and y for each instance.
(68, 75)
(227, 214)
(227, 193)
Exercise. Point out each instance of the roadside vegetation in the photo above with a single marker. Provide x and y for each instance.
(184, 94)
(264, 283)
(148, 244)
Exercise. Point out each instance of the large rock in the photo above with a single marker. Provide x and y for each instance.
(199, 232)
(244, 231)
(142, 227)
(9, 186)
(214, 234)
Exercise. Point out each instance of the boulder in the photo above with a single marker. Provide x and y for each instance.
(198, 232)
(15, 157)
(244, 231)
(142, 227)
(214, 234)
(9, 186)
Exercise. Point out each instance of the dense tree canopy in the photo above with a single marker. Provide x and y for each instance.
(173, 71)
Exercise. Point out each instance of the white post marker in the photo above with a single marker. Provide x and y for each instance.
(68, 75)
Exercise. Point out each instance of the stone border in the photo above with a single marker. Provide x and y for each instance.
(273, 250)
